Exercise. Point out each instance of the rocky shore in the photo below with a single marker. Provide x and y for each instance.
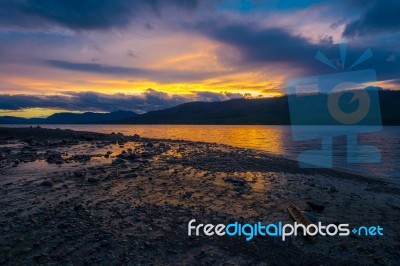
(83, 198)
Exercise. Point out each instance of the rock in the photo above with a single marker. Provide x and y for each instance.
(30, 140)
(93, 180)
(118, 161)
(82, 158)
(47, 183)
(145, 154)
(105, 243)
(55, 157)
(135, 137)
(130, 175)
(164, 147)
(236, 181)
(80, 173)
(187, 195)
(332, 189)
(316, 206)
(149, 145)
(126, 155)
(78, 207)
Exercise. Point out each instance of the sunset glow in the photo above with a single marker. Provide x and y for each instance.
(203, 51)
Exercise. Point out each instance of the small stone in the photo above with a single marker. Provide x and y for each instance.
(78, 207)
(83, 158)
(149, 145)
(236, 181)
(135, 137)
(105, 243)
(145, 154)
(47, 183)
(93, 180)
(130, 175)
(332, 189)
(118, 161)
(187, 195)
(55, 158)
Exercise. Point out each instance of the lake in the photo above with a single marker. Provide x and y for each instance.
(274, 139)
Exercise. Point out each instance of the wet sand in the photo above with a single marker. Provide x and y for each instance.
(76, 198)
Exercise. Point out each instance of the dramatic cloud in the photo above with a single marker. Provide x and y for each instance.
(152, 74)
(275, 46)
(257, 44)
(83, 14)
(377, 17)
(187, 49)
(90, 101)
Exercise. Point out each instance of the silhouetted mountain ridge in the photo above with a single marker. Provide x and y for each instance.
(236, 111)
(71, 118)
(263, 111)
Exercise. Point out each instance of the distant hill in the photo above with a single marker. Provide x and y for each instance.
(89, 117)
(71, 118)
(20, 120)
(390, 107)
(237, 111)
(264, 111)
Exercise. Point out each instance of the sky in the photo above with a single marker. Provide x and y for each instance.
(144, 55)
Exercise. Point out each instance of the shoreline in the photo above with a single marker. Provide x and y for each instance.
(68, 200)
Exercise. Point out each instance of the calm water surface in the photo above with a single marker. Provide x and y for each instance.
(273, 139)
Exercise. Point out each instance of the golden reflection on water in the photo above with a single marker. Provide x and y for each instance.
(267, 138)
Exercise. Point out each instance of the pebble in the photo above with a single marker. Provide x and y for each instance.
(130, 175)
(332, 189)
(47, 183)
(93, 180)
(236, 181)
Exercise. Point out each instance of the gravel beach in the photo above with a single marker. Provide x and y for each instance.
(83, 198)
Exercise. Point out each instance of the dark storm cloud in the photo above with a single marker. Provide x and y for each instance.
(262, 45)
(92, 101)
(270, 46)
(157, 75)
(376, 17)
(83, 14)
(257, 44)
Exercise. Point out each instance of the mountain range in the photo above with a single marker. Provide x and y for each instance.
(271, 111)
(71, 118)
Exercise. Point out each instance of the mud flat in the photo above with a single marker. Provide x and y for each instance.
(81, 198)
